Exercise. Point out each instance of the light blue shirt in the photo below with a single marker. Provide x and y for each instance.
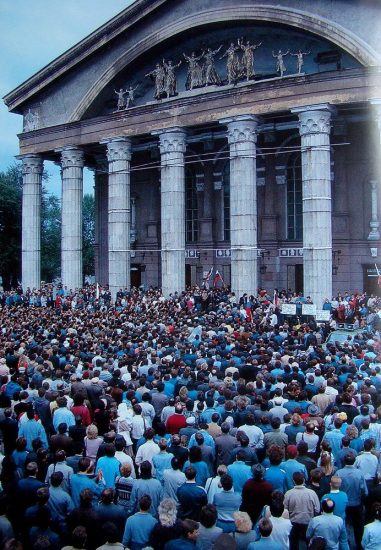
(62, 414)
(138, 529)
(331, 528)
(32, 430)
(371, 539)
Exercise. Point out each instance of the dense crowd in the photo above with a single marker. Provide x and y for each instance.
(204, 421)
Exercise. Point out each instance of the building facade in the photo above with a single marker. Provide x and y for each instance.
(243, 136)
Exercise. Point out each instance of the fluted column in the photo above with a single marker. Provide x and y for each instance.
(72, 162)
(172, 149)
(242, 139)
(32, 168)
(374, 234)
(314, 129)
(119, 157)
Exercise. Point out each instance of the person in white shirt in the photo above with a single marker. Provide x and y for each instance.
(148, 450)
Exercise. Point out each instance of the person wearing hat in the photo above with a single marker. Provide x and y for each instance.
(190, 427)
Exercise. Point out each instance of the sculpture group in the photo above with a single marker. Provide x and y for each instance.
(202, 70)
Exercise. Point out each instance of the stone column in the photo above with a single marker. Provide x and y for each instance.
(242, 138)
(374, 234)
(72, 162)
(314, 128)
(32, 168)
(101, 220)
(119, 157)
(172, 149)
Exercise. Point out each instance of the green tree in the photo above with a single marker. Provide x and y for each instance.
(88, 229)
(10, 225)
(50, 237)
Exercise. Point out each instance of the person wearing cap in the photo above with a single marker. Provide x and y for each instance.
(190, 428)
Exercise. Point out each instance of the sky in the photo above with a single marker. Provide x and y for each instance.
(32, 34)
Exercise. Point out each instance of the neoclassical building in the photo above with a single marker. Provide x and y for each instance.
(239, 135)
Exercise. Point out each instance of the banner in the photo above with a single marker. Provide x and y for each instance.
(288, 309)
(323, 315)
(308, 309)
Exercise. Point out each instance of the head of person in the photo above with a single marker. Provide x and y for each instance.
(31, 469)
(92, 431)
(258, 472)
(298, 478)
(146, 470)
(190, 529)
(275, 455)
(242, 522)
(56, 479)
(110, 532)
(167, 512)
(195, 454)
(190, 473)
(328, 506)
(125, 469)
(208, 516)
(335, 483)
(145, 502)
(226, 482)
(265, 527)
(86, 498)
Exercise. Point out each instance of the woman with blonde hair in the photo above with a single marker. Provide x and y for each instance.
(328, 469)
(92, 442)
(168, 526)
(243, 534)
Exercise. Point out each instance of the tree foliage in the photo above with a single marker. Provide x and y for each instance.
(10, 225)
(88, 229)
(10, 230)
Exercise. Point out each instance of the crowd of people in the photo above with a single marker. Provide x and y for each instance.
(203, 421)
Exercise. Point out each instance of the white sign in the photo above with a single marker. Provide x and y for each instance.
(288, 309)
(290, 252)
(192, 253)
(308, 309)
(323, 315)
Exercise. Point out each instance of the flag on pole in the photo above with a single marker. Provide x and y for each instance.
(209, 274)
(97, 292)
(217, 278)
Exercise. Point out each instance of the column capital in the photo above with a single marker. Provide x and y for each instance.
(172, 140)
(314, 119)
(241, 128)
(118, 148)
(71, 156)
(31, 164)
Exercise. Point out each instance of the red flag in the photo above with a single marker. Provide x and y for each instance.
(217, 278)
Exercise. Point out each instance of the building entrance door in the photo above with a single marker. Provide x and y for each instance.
(295, 277)
(136, 276)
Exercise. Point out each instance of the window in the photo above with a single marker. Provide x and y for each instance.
(191, 208)
(294, 199)
(226, 201)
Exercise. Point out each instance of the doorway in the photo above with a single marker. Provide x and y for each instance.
(136, 275)
(295, 278)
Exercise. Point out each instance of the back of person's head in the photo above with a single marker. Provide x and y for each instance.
(79, 537)
(208, 515)
(275, 455)
(226, 482)
(265, 527)
(30, 413)
(302, 448)
(149, 434)
(56, 479)
(145, 503)
(241, 455)
(349, 459)
(316, 474)
(190, 473)
(108, 495)
(167, 512)
(42, 496)
(275, 423)
(258, 472)
(298, 478)
(60, 456)
(195, 454)
(328, 506)
(276, 508)
(345, 442)
(86, 498)
(145, 470)
(84, 464)
(368, 444)
(109, 450)
(292, 451)
(225, 428)
(189, 526)
(199, 438)
(110, 532)
(317, 543)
